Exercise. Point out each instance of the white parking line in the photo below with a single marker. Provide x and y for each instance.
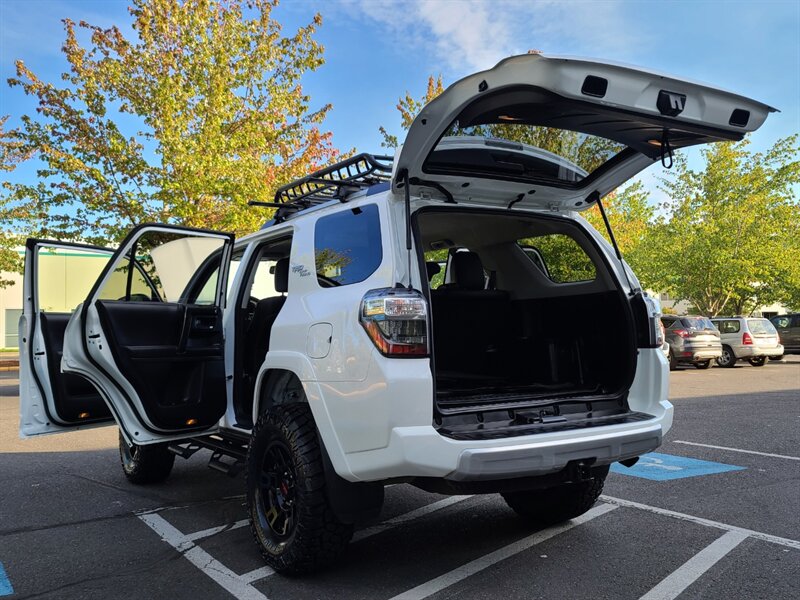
(199, 535)
(676, 582)
(701, 521)
(479, 564)
(222, 575)
(737, 450)
(409, 516)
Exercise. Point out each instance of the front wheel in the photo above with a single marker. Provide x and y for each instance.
(145, 464)
(556, 504)
(758, 361)
(290, 517)
(776, 358)
(703, 364)
(728, 358)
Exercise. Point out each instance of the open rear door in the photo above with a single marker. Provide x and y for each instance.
(623, 119)
(149, 335)
(58, 275)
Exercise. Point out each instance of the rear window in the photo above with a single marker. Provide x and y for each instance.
(347, 246)
(761, 326)
(697, 323)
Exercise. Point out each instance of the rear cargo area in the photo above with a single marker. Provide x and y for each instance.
(529, 330)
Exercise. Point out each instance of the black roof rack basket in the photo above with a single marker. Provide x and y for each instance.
(335, 182)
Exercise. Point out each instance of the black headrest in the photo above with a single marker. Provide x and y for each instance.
(434, 268)
(282, 275)
(468, 271)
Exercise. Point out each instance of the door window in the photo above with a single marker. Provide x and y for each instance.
(161, 267)
(64, 276)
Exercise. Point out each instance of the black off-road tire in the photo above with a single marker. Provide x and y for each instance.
(145, 464)
(703, 364)
(673, 363)
(286, 483)
(557, 504)
(758, 361)
(728, 358)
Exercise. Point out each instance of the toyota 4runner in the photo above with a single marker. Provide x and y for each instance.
(317, 356)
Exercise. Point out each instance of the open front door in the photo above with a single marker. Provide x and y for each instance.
(58, 275)
(149, 335)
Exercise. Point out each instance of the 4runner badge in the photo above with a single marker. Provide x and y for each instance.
(300, 270)
(670, 103)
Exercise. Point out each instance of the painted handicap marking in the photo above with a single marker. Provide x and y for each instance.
(5, 583)
(663, 467)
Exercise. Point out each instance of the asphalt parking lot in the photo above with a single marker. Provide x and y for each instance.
(714, 514)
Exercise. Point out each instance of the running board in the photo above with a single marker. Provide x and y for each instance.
(220, 448)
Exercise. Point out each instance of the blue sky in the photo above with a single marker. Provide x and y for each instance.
(376, 50)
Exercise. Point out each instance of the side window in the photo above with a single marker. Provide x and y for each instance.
(436, 265)
(727, 326)
(162, 265)
(560, 258)
(347, 246)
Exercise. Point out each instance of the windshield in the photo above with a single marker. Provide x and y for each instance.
(761, 327)
(698, 323)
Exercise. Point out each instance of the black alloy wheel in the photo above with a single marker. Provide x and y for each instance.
(276, 492)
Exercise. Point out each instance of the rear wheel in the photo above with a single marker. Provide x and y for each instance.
(673, 363)
(703, 364)
(145, 464)
(290, 518)
(728, 358)
(758, 361)
(556, 504)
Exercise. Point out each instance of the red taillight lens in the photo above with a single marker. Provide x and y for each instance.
(746, 339)
(681, 332)
(396, 320)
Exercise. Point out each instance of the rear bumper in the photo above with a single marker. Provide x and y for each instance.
(754, 351)
(704, 354)
(531, 459)
(423, 452)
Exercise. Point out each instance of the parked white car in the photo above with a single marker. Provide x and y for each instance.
(751, 339)
(314, 355)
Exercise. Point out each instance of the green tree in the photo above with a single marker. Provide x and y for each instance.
(730, 237)
(203, 111)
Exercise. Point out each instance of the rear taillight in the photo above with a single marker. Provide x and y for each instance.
(396, 320)
(746, 339)
(681, 332)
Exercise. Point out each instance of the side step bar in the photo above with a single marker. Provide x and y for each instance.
(220, 447)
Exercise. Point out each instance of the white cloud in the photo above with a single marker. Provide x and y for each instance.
(469, 35)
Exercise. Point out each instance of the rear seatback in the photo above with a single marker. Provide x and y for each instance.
(470, 323)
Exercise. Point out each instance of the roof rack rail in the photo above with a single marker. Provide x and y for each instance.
(335, 182)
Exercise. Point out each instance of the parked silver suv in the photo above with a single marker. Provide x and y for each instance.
(692, 340)
(752, 339)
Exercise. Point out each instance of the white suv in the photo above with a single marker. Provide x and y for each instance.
(317, 356)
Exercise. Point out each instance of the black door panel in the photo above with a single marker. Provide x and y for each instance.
(172, 355)
(76, 399)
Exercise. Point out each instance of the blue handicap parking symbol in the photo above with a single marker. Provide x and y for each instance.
(5, 583)
(663, 467)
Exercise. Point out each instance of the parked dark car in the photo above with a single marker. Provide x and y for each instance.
(692, 340)
(788, 327)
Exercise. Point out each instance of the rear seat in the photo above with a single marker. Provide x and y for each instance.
(470, 323)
